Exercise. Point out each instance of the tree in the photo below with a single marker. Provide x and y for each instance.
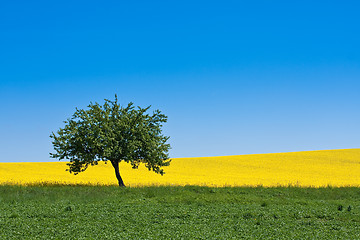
(112, 133)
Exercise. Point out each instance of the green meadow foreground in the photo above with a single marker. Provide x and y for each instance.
(190, 212)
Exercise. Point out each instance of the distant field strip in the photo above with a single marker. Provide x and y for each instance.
(312, 168)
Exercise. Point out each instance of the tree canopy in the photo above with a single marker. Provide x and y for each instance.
(114, 133)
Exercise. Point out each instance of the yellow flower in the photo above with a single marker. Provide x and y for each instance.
(312, 168)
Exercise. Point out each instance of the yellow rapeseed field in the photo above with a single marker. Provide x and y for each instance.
(311, 168)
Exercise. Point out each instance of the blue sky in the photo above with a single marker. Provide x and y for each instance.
(234, 77)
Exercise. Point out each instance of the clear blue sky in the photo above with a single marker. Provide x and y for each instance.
(234, 77)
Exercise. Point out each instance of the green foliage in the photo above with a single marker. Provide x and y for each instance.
(191, 212)
(112, 133)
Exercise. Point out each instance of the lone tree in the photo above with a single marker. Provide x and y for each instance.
(112, 133)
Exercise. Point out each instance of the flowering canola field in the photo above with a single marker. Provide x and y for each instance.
(310, 168)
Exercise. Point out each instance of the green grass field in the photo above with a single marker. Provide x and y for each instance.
(190, 212)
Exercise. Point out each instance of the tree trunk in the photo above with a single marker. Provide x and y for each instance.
(117, 173)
